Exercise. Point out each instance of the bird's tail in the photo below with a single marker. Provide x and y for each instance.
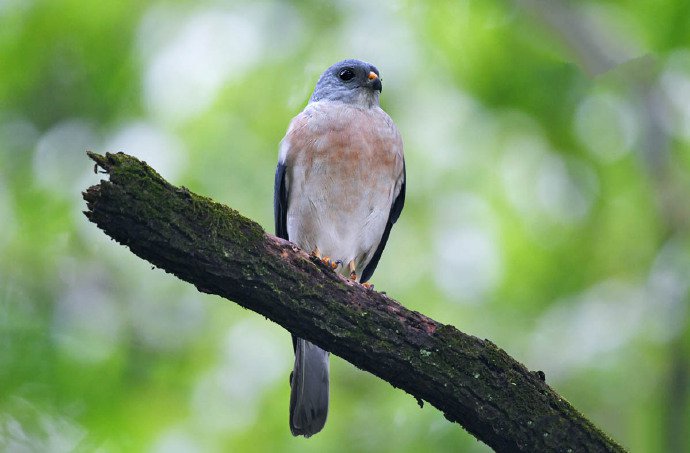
(309, 395)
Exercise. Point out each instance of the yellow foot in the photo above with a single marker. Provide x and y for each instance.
(368, 285)
(329, 262)
(316, 253)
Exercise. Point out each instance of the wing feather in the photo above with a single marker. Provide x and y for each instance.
(280, 202)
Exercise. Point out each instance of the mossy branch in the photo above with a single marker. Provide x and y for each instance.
(472, 381)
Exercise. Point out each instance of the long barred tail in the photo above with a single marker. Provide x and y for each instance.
(309, 394)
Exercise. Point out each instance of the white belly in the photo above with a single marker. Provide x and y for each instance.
(343, 218)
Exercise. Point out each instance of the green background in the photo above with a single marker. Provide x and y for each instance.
(547, 148)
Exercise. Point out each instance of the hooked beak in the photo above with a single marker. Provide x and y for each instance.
(375, 81)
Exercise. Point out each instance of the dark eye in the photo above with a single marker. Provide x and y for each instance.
(346, 74)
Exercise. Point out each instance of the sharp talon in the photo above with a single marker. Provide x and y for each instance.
(368, 285)
(353, 276)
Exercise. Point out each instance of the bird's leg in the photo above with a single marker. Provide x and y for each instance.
(324, 259)
(351, 268)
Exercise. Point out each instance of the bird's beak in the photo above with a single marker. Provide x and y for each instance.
(375, 81)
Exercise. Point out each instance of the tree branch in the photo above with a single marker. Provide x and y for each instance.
(472, 381)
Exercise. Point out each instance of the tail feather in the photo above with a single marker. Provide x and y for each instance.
(309, 394)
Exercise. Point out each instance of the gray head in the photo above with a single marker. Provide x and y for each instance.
(351, 82)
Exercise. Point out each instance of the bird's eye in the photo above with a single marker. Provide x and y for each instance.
(346, 74)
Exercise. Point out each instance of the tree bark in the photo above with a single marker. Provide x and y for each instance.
(472, 381)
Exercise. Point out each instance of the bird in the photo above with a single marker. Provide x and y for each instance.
(339, 188)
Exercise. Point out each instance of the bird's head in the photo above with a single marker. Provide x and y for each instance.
(349, 81)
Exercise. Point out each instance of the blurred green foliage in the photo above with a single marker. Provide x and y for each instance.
(547, 148)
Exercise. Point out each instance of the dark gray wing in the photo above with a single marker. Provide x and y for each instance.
(396, 209)
(280, 201)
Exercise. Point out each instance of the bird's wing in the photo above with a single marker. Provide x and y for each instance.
(281, 189)
(280, 202)
(396, 209)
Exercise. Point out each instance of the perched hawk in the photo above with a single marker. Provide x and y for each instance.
(339, 188)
